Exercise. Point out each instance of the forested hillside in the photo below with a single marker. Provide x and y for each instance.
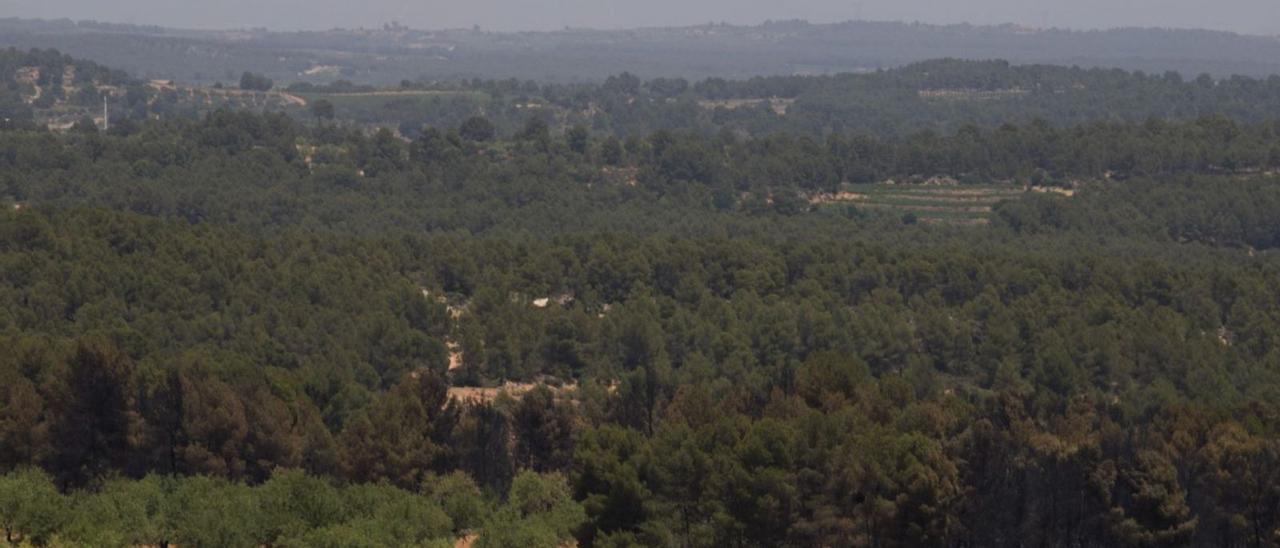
(942, 96)
(947, 96)
(54, 85)
(247, 329)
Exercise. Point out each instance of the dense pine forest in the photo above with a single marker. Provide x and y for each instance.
(240, 328)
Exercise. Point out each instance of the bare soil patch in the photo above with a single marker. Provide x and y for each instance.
(517, 390)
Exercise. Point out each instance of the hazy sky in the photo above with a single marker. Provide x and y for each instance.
(1250, 16)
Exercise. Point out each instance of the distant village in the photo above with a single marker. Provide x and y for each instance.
(75, 99)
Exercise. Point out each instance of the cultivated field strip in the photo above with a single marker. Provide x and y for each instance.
(933, 204)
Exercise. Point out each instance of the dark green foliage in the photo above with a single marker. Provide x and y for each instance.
(538, 512)
(30, 506)
(239, 331)
(322, 109)
(477, 128)
(255, 82)
(95, 416)
(460, 499)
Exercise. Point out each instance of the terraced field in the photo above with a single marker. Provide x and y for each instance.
(957, 205)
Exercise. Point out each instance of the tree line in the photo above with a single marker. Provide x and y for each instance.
(734, 392)
(1204, 180)
(242, 330)
(290, 509)
(942, 96)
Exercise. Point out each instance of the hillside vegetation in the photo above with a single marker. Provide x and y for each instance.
(255, 329)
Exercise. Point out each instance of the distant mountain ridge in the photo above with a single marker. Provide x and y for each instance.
(392, 53)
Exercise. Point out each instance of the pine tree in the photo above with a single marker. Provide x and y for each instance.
(96, 422)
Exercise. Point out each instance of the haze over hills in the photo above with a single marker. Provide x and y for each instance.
(394, 53)
(944, 96)
(1246, 16)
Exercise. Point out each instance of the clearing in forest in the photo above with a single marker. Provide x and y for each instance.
(937, 204)
(244, 95)
(778, 105)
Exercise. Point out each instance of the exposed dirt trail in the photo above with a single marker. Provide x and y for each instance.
(289, 98)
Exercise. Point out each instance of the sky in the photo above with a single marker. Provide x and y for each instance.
(1246, 16)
